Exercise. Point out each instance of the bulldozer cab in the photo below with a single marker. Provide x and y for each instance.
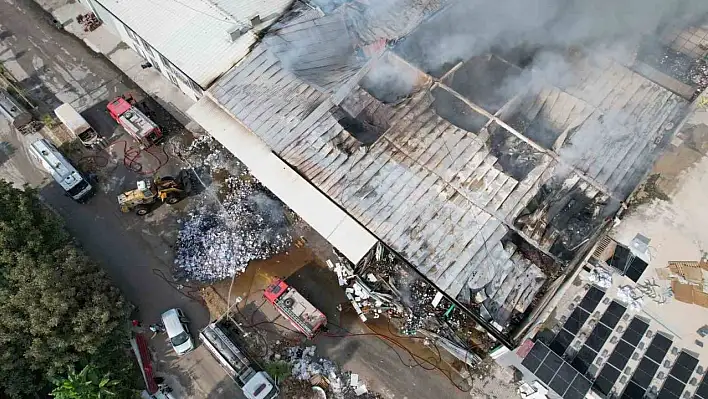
(166, 189)
(145, 187)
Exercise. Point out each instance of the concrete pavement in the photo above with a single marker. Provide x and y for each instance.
(135, 247)
(54, 67)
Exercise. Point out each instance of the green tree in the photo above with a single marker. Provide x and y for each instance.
(87, 384)
(57, 308)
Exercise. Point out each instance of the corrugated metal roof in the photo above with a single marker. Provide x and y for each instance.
(446, 193)
(193, 34)
(428, 188)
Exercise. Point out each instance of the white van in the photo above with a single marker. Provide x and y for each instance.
(63, 172)
(177, 330)
(77, 125)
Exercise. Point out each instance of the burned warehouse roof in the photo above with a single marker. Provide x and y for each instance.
(472, 168)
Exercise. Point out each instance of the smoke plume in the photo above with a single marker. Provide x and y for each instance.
(473, 27)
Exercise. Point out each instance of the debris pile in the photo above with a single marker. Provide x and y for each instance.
(699, 75)
(414, 305)
(365, 299)
(631, 297)
(218, 241)
(241, 222)
(325, 374)
(600, 277)
(208, 153)
(89, 21)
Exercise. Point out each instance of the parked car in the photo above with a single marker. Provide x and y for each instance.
(175, 323)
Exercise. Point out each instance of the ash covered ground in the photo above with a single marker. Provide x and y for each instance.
(236, 220)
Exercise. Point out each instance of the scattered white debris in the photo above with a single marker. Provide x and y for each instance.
(360, 390)
(211, 154)
(354, 380)
(600, 277)
(371, 278)
(305, 366)
(218, 239)
(437, 299)
(628, 295)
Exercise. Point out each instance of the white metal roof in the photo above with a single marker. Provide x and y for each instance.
(71, 119)
(55, 164)
(193, 34)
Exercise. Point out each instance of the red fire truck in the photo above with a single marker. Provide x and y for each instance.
(124, 110)
(299, 311)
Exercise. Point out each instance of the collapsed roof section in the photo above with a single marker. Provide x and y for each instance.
(445, 168)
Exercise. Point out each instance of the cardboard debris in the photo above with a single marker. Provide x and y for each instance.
(688, 283)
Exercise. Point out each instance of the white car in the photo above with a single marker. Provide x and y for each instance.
(177, 331)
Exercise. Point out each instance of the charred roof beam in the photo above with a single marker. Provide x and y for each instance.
(495, 118)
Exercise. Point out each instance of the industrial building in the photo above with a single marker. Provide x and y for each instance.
(631, 323)
(512, 190)
(191, 43)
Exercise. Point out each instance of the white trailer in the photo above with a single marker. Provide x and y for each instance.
(255, 383)
(77, 125)
(63, 172)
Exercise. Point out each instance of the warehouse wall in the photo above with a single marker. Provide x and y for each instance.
(323, 215)
(142, 47)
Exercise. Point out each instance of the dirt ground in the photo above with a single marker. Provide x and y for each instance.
(392, 365)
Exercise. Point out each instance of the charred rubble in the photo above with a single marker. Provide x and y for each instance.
(388, 286)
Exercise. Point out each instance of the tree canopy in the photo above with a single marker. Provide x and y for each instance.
(58, 310)
(86, 384)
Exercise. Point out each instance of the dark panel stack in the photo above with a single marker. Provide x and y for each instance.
(644, 373)
(702, 390)
(678, 377)
(627, 263)
(556, 373)
(598, 337)
(576, 320)
(620, 356)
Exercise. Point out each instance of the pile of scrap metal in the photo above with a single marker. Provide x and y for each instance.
(89, 21)
(382, 284)
(365, 294)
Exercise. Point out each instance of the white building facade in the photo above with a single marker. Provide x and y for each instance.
(192, 43)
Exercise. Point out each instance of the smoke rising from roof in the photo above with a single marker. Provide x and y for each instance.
(473, 27)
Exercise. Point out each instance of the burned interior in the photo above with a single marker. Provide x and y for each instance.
(515, 156)
(491, 167)
(564, 214)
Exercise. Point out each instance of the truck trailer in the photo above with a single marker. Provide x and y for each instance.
(254, 382)
(77, 125)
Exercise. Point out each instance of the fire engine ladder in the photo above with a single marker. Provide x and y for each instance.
(144, 353)
(295, 318)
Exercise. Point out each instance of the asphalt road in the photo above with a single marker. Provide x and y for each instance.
(54, 67)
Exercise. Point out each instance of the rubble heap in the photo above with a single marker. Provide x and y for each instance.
(242, 222)
(216, 241)
(208, 153)
(414, 305)
(340, 384)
